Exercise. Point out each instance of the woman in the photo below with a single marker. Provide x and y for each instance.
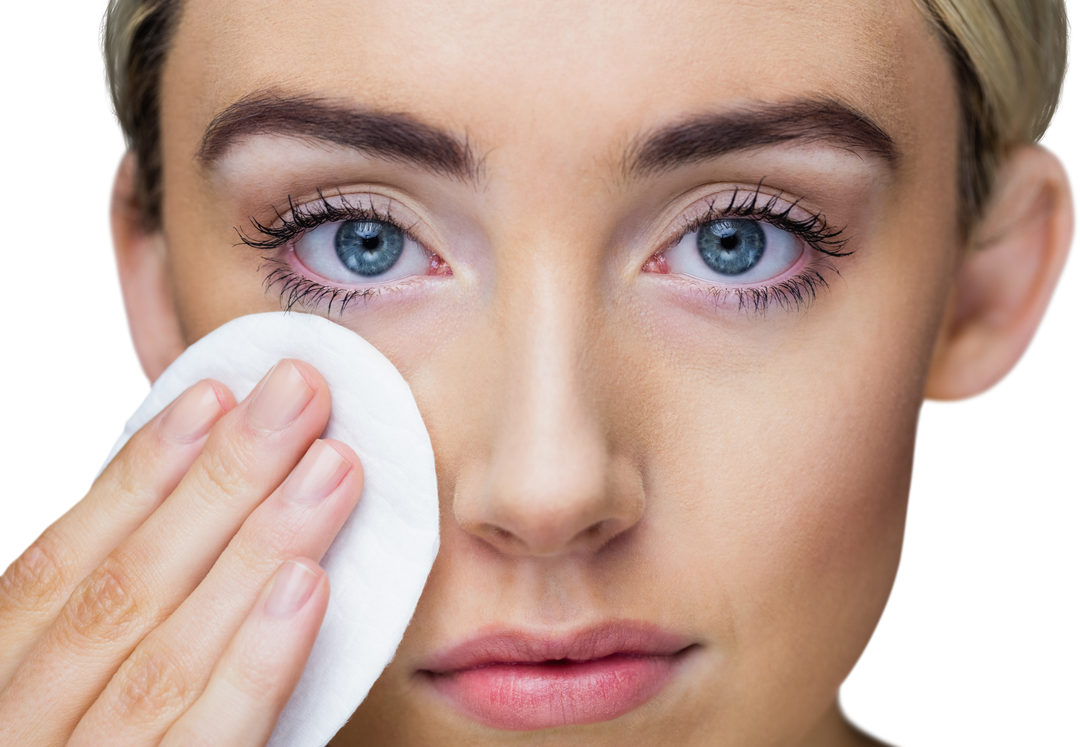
(611, 269)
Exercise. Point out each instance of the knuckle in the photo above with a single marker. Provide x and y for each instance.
(223, 470)
(262, 549)
(36, 582)
(250, 560)
(151, 685)
(125, 477)
(105, 605)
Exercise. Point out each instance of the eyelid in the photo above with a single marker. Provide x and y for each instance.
(756, 202)
(302, 216)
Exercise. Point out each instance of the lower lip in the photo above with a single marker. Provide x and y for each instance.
(526, 696)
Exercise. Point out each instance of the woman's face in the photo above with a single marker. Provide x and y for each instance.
(665, 279)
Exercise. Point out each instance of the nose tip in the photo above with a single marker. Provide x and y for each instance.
(553, 496)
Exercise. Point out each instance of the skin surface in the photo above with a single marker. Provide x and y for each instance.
(614, 441)
(756, 465)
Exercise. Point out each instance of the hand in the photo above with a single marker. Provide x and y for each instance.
(179, 600)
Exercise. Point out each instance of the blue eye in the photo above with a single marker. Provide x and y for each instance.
(368, 248)
(736, 251)
(731, 247)
(361, 251)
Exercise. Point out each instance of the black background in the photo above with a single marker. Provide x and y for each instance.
(974, 642)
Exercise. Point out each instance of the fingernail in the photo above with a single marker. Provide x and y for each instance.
(293, 584)
(192, 414)
(319, 472)
(281, 398)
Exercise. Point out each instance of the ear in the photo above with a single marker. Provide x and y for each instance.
(144, 277)
(1005, 280)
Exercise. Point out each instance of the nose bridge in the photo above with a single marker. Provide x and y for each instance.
(550, 484)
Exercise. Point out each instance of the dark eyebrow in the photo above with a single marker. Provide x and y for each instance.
(392, 136)
(712, 135)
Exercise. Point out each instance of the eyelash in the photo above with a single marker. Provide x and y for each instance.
(300, 220)
(814, 230)
(295, 289)
(794, 293)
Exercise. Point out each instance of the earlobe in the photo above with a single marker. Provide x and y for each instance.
(1004, 282)
(144, 278)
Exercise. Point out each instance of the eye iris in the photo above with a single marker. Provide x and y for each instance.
(368, 247)
(731, 247)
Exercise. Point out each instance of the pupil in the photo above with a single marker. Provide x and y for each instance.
(369, 247)
(731, 246)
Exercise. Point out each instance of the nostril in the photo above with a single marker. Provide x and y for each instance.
(499, 533)
(548, 542)
(594, 531)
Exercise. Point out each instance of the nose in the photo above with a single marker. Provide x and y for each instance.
(554, 482)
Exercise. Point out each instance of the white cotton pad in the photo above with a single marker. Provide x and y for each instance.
(381, 558)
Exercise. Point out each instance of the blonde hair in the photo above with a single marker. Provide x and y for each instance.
(1009, 59)
(135, 38)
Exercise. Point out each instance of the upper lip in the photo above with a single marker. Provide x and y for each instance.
(508, 646)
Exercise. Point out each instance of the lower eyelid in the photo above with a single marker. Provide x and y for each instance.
(297, 289)
(795, 290)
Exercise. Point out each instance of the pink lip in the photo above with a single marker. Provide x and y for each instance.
(518, 681)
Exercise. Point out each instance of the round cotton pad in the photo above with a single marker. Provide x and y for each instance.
(381, 558)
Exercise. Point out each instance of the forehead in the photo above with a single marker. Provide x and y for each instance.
(499, 69)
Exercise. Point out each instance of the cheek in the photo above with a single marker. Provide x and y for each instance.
(780, 482)
(795, 481)
(813, 524)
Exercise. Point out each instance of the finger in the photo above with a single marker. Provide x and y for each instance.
(247, 454)
(261, 666)
(36, 586)
(300, 519)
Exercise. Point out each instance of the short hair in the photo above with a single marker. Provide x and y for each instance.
(1008, 59)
